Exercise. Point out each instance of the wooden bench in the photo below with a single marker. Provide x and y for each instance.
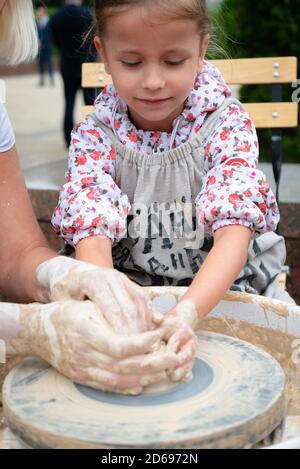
(274, 71)
(275, 115)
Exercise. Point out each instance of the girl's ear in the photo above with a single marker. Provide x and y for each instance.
(203, 50)
(101, 52)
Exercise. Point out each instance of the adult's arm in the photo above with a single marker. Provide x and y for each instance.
(26, 276)
(104, 359)
(22, 244)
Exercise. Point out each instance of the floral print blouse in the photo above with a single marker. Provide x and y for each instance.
(234, 191)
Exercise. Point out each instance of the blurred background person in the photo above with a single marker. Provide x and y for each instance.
(44, 33)
(69, 26)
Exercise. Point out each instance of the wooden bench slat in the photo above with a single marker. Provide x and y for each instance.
(86, 110)
(94, 76)
(235, 71)
(258, 71)
(261, 113)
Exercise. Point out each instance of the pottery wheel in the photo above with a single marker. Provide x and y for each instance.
(235, 399)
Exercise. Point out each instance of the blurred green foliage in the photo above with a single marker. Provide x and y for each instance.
(262, 29)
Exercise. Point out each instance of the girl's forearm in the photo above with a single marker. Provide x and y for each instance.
(220, 269)
(95, 250)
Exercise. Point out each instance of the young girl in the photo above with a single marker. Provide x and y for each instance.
(170, 152)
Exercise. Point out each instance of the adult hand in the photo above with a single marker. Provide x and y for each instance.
(125, 305)
(76, 339)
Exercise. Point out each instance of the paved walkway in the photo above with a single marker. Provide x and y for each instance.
(36, 114)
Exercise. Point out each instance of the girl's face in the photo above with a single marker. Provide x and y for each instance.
(2, 3)
(153, 66)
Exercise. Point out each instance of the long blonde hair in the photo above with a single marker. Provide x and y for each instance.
(18, 36)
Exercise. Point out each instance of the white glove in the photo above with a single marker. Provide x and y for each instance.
(75, 339)
(125, 305)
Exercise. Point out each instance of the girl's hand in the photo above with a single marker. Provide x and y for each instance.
(75, 339)
(181, 322)
(185, 311)
(125, 305)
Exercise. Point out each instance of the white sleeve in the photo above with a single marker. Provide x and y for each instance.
(7, 138)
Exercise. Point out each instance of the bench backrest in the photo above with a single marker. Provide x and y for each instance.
(273, 71)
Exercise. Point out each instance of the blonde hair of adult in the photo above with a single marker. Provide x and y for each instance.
(18, 36)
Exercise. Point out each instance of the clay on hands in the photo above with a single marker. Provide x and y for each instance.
(185, 311)
(75, 338)
(181, 322)
(125, 305)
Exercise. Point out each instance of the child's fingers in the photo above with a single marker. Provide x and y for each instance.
(184, 373)
(186, 357)
(182, 335)
(187, 352)
(157, 317)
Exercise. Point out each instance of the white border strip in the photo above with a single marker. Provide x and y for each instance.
(2, 92)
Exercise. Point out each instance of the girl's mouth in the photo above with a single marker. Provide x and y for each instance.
(153, 102)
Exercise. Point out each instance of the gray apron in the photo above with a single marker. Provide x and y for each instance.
(165, 243)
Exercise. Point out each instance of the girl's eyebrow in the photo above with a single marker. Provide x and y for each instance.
(128, 51)
(179, 50)
(167, 51)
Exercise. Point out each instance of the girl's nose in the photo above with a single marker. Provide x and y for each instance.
(153, 79)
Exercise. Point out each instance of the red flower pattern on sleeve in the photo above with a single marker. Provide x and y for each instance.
(90, 203)
(235, 191)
